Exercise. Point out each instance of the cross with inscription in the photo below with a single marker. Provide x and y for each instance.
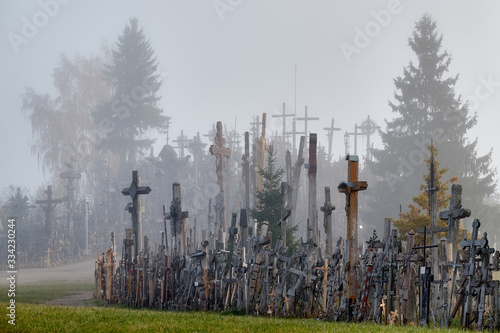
(134, 208)
(48, 208)
(221, 152)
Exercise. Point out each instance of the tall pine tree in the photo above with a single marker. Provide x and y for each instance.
(426, 107)
(134, 106)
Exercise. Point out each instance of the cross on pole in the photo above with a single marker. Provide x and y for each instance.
(212, 133)
(284, 115)
(312, 228)
(294, 133)
(221, 152)
(329, 134)
(48, 206)
(350, 189)
(306, 119)
(134, 208)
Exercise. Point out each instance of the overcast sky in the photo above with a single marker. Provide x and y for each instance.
(232, 58)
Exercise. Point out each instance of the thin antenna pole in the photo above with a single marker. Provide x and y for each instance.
(295, 110)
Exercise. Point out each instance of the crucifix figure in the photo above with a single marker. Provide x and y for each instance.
(221, 152)
(350, 189)
(134, 208)
(327, 209)
(48, 208)
(177, 219)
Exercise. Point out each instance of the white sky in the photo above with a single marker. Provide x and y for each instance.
(243, 65)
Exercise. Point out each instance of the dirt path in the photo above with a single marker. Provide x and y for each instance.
(81, 272)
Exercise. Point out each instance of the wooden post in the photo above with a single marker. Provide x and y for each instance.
(261, 146)
(134, 191)
(312, 228)
(350, 189)
(221, 152)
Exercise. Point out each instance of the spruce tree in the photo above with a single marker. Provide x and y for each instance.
(426, 107)
(134, 106)
(268, 200)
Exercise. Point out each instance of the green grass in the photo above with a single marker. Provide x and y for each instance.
(44, 318)
(44, 292)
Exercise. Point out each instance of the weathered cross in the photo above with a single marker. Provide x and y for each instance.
(294, 133)
(350, 189)
(134, 208)
(327, 209)
(177, 219)
(221, 152)
(284, 115)
(331, 130)
(453, 215)
(48, 206)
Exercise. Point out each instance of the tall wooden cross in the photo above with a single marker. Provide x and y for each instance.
(312, 228)
(284, 116)
(70, 175)
(330, 130)
(256, 128)
(48, 206)
(350, 189)
(134, 208)
(327, 209)
(177, 219)
(306, 119)
(294, 133)
(220, 152)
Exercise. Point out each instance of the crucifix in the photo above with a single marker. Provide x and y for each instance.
(177, 219)
(134, 208)
(284, 116)
(48, 206)
(221, 152)
(350, 189)
(327, 209)
(306, 119)
(331, 130)
(70, 175)
(312, 228)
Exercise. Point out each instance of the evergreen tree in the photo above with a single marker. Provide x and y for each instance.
(268, 200)
(426, 108)
(134, 106)
(418, 214)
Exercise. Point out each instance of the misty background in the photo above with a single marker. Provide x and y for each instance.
(230, 61)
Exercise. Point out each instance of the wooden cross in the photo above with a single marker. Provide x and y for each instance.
(177, 219)
(324, 269)
(454, 214)
(350, 189)
(271, 303)
(327, 209)
(284, 115)
(306, 119)
(109, 266)
(48, 206)
(212, 133)
(256, 127)
(221, 152)
(331, 130)
(134, 208)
